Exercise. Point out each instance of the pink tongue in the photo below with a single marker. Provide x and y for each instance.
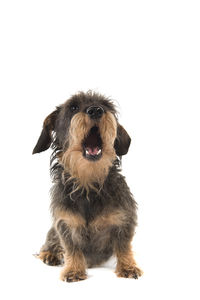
(92, 151)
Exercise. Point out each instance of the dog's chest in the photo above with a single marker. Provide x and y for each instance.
(99, 216)
(92, 231)
(96, 233)
(91, 222)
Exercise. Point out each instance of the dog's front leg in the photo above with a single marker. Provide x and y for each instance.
(126, 264)
(75, 265)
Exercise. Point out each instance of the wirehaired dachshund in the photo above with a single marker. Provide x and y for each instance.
(93, 211)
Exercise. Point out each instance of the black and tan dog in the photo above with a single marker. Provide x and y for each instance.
(94, 213)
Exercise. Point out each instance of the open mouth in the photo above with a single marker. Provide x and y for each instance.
(92, 145)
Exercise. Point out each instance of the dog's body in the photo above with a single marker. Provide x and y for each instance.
(94, 213)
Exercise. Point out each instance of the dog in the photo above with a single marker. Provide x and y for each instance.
(94, 213)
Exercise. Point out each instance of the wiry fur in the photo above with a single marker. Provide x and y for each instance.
(93, 210)
(80, 169)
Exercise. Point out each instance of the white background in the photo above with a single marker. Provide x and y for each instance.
(146, 56)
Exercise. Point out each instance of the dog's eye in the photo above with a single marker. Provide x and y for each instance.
(74, 107)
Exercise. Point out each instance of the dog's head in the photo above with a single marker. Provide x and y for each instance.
(88, 136)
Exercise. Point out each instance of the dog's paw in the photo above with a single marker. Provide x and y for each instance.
(72, 276)
(50, 258)
(133, 272)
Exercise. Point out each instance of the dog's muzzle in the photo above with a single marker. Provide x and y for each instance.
(95, 112)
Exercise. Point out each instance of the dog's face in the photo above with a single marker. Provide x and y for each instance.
(87, 135)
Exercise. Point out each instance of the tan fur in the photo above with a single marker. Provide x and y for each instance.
(108, 129)
(50, 257)
(71, 219)
(74, 221)
(44, 254)
(126, 264)
(84, 171)
(75, 267)
(116, 218)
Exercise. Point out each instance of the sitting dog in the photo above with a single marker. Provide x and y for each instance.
(93, 210)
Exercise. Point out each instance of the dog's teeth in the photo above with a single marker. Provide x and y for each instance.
(99, 152)
(87, 152)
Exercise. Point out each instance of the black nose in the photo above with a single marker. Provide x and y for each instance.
(95, 112)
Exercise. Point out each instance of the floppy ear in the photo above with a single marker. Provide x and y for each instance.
(122, 141)
(45, 138)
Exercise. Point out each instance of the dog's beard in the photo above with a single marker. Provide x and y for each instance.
(90, 155)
